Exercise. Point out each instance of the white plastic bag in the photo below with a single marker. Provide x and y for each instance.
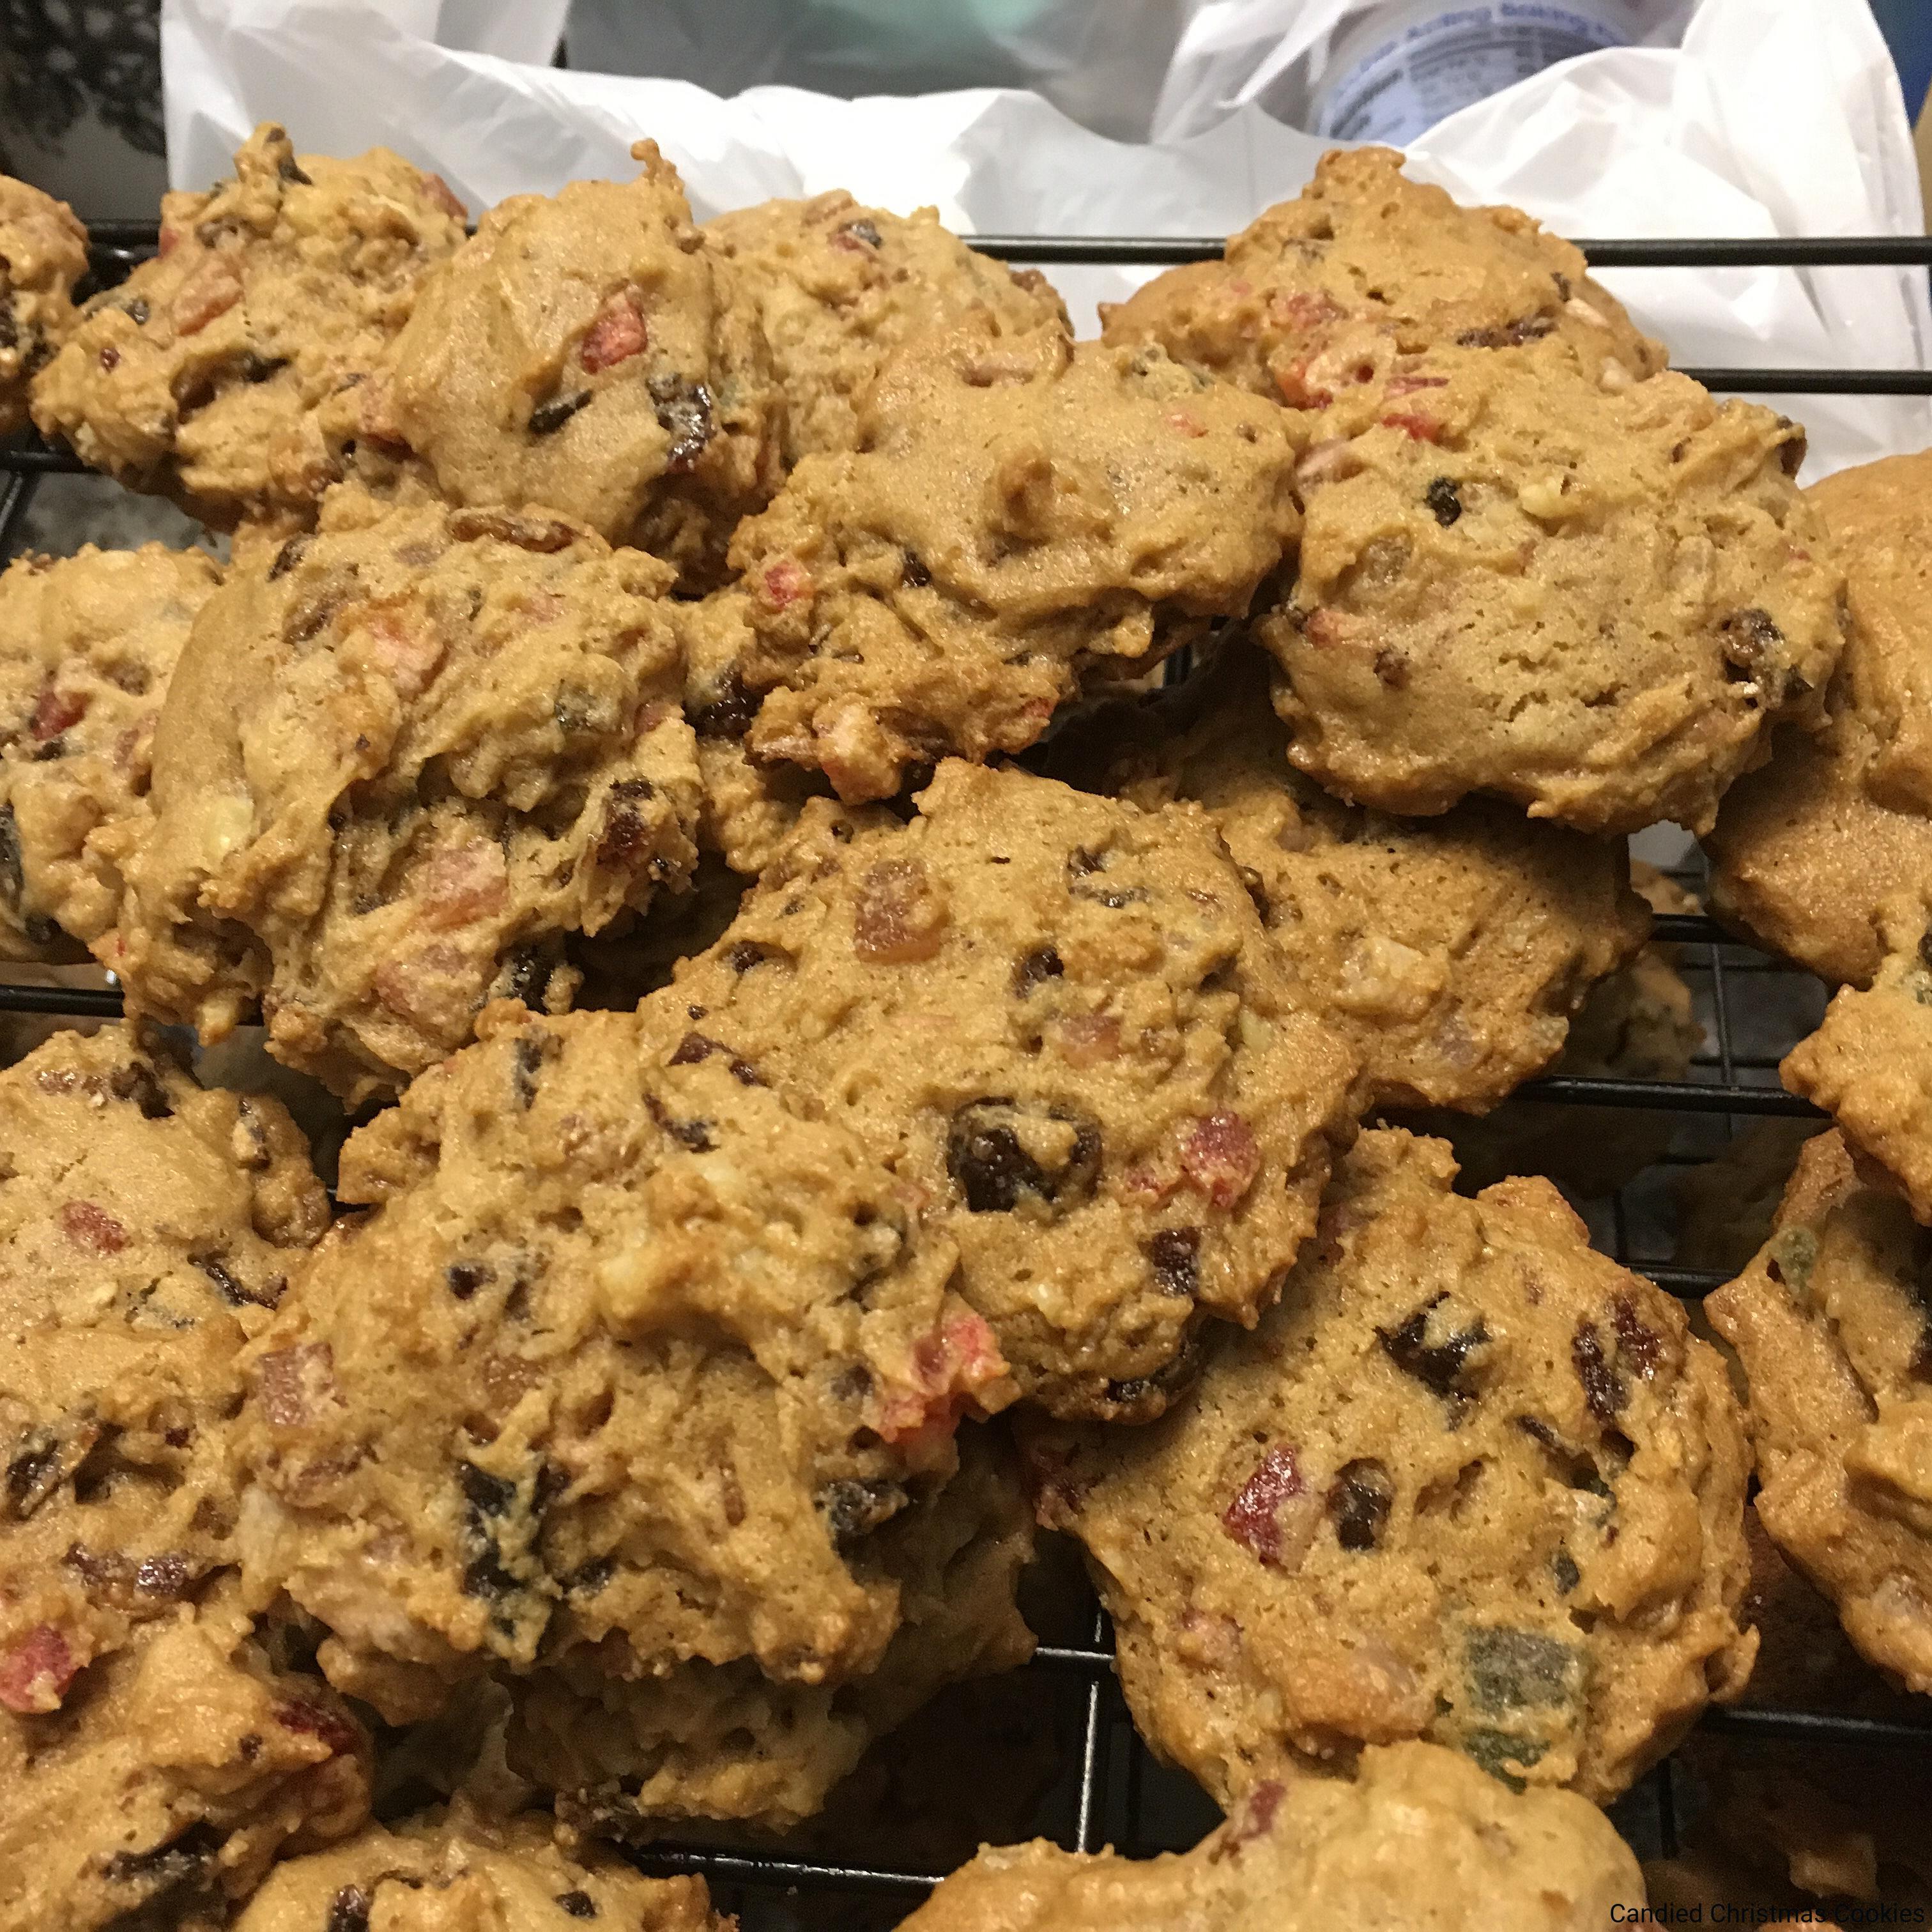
(1774, 117)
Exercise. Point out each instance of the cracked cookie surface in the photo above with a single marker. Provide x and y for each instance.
(400, 760)
(1469, 1481)
(1058, 1021)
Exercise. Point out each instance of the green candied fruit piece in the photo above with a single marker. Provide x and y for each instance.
(1496, 1751)
(1513, 1670)
(1794, 1253)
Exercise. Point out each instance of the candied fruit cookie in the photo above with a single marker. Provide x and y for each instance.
(1870, 1064)
(466, 1870)
(43, 253)
(147, 1228)
(1454, 951)
(157, 1795)
(1830, 1326)
(1057, 1019)
(1313, 299)
(227, 372)
(400, 760)
(632, 1758)
(1806, 850)
(1021, 511)
(1468, 1481)
(1419, 1840)
(585, 352)
(1594, 603)
(837, 287)
(87, 643)
(629, 1358)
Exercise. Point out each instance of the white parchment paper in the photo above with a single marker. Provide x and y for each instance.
(1773, 117)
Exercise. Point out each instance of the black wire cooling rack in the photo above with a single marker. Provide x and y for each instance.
(1753, 1006)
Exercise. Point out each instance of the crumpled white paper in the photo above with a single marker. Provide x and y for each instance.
(1774, 117)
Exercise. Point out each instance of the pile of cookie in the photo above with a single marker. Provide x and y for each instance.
(834, 1075)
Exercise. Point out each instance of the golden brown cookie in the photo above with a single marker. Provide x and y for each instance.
(1830, 1326)
(1468, 1481)
(87, 643)
(1022, 512)
(402, 758)
(437, 1874)
(160, 1792)
(630, 1757)
(1453, 951)
(43, 253)
(585, 352)
(1419, 1840)
(1364, 265)
(836, 286)
(630, 1357)
(225, 373)
(1870, 1064)
(1058, 1020)
(1804, 852)
(147, 1228)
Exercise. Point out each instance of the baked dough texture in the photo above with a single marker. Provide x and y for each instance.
(147, 1228)
(227, 372)
(1469, 1481)
(87, 643)
(585, 352)
(1805, 851)
(1058, 1020)
(469, 1872)
(403, 757)
(1830, 1326)
(1454, 952)
(837, 287)
(1419, 1840)
(629, 1359)
(1022, 512)
(43, 253)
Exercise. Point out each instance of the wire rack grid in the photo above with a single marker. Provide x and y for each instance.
(1111, 1791)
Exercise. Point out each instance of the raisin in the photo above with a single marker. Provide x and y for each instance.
(746, 954)
(854, 1506)
(1083, 863)
(162, 1867)
(233, 1291)
(1444, 500)
(1511, 335)
(1512, 1670)
(1602, 1387)
(33, 1472)
(1752, 645)
(1174, 1255)
(589, 1578)
(695, 1136)
(729, 713)
(1563, 1568)
(577, 1903)
(349, 1910)
(258, 369)
(1495, 1751)
(985, 1157)
(527, 976)
(684, 412)
(137, 1083)
(913, 573)
(1166, 1382)
(695, 1047)
(1359, 1501)
(487, 1495)
(1043, 963)
(13, 873)
(485, 1576)
(1637, 1344)
(290, 170)
(532, 1051)
(867, 232)
(137, 311)
(1437, 1364)
(626, 835)
(543, 536)
(548, 417)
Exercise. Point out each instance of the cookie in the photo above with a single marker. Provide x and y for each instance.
(161, 1790)
(836, 286)
(1870, 1064)
(1453, 951)
(43, 253)
(225, 373)
(87, 645)
(1313, 299)
(1726, 1206)
(630, 1357)
(431, 1874)
(1595, 603)
(586, 353)
(1419, 1839)
(1830, 1328)
(1805, 851)
(147, 1228)
(631, 1758)
(401, 759)
(1058, 1021)
(1022, 512)
(1469, 1481)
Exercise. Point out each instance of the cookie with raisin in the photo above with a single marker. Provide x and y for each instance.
(1059, 1021)
(43, 253)
(87, 643)
(1469, 1482)
(228, 372)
